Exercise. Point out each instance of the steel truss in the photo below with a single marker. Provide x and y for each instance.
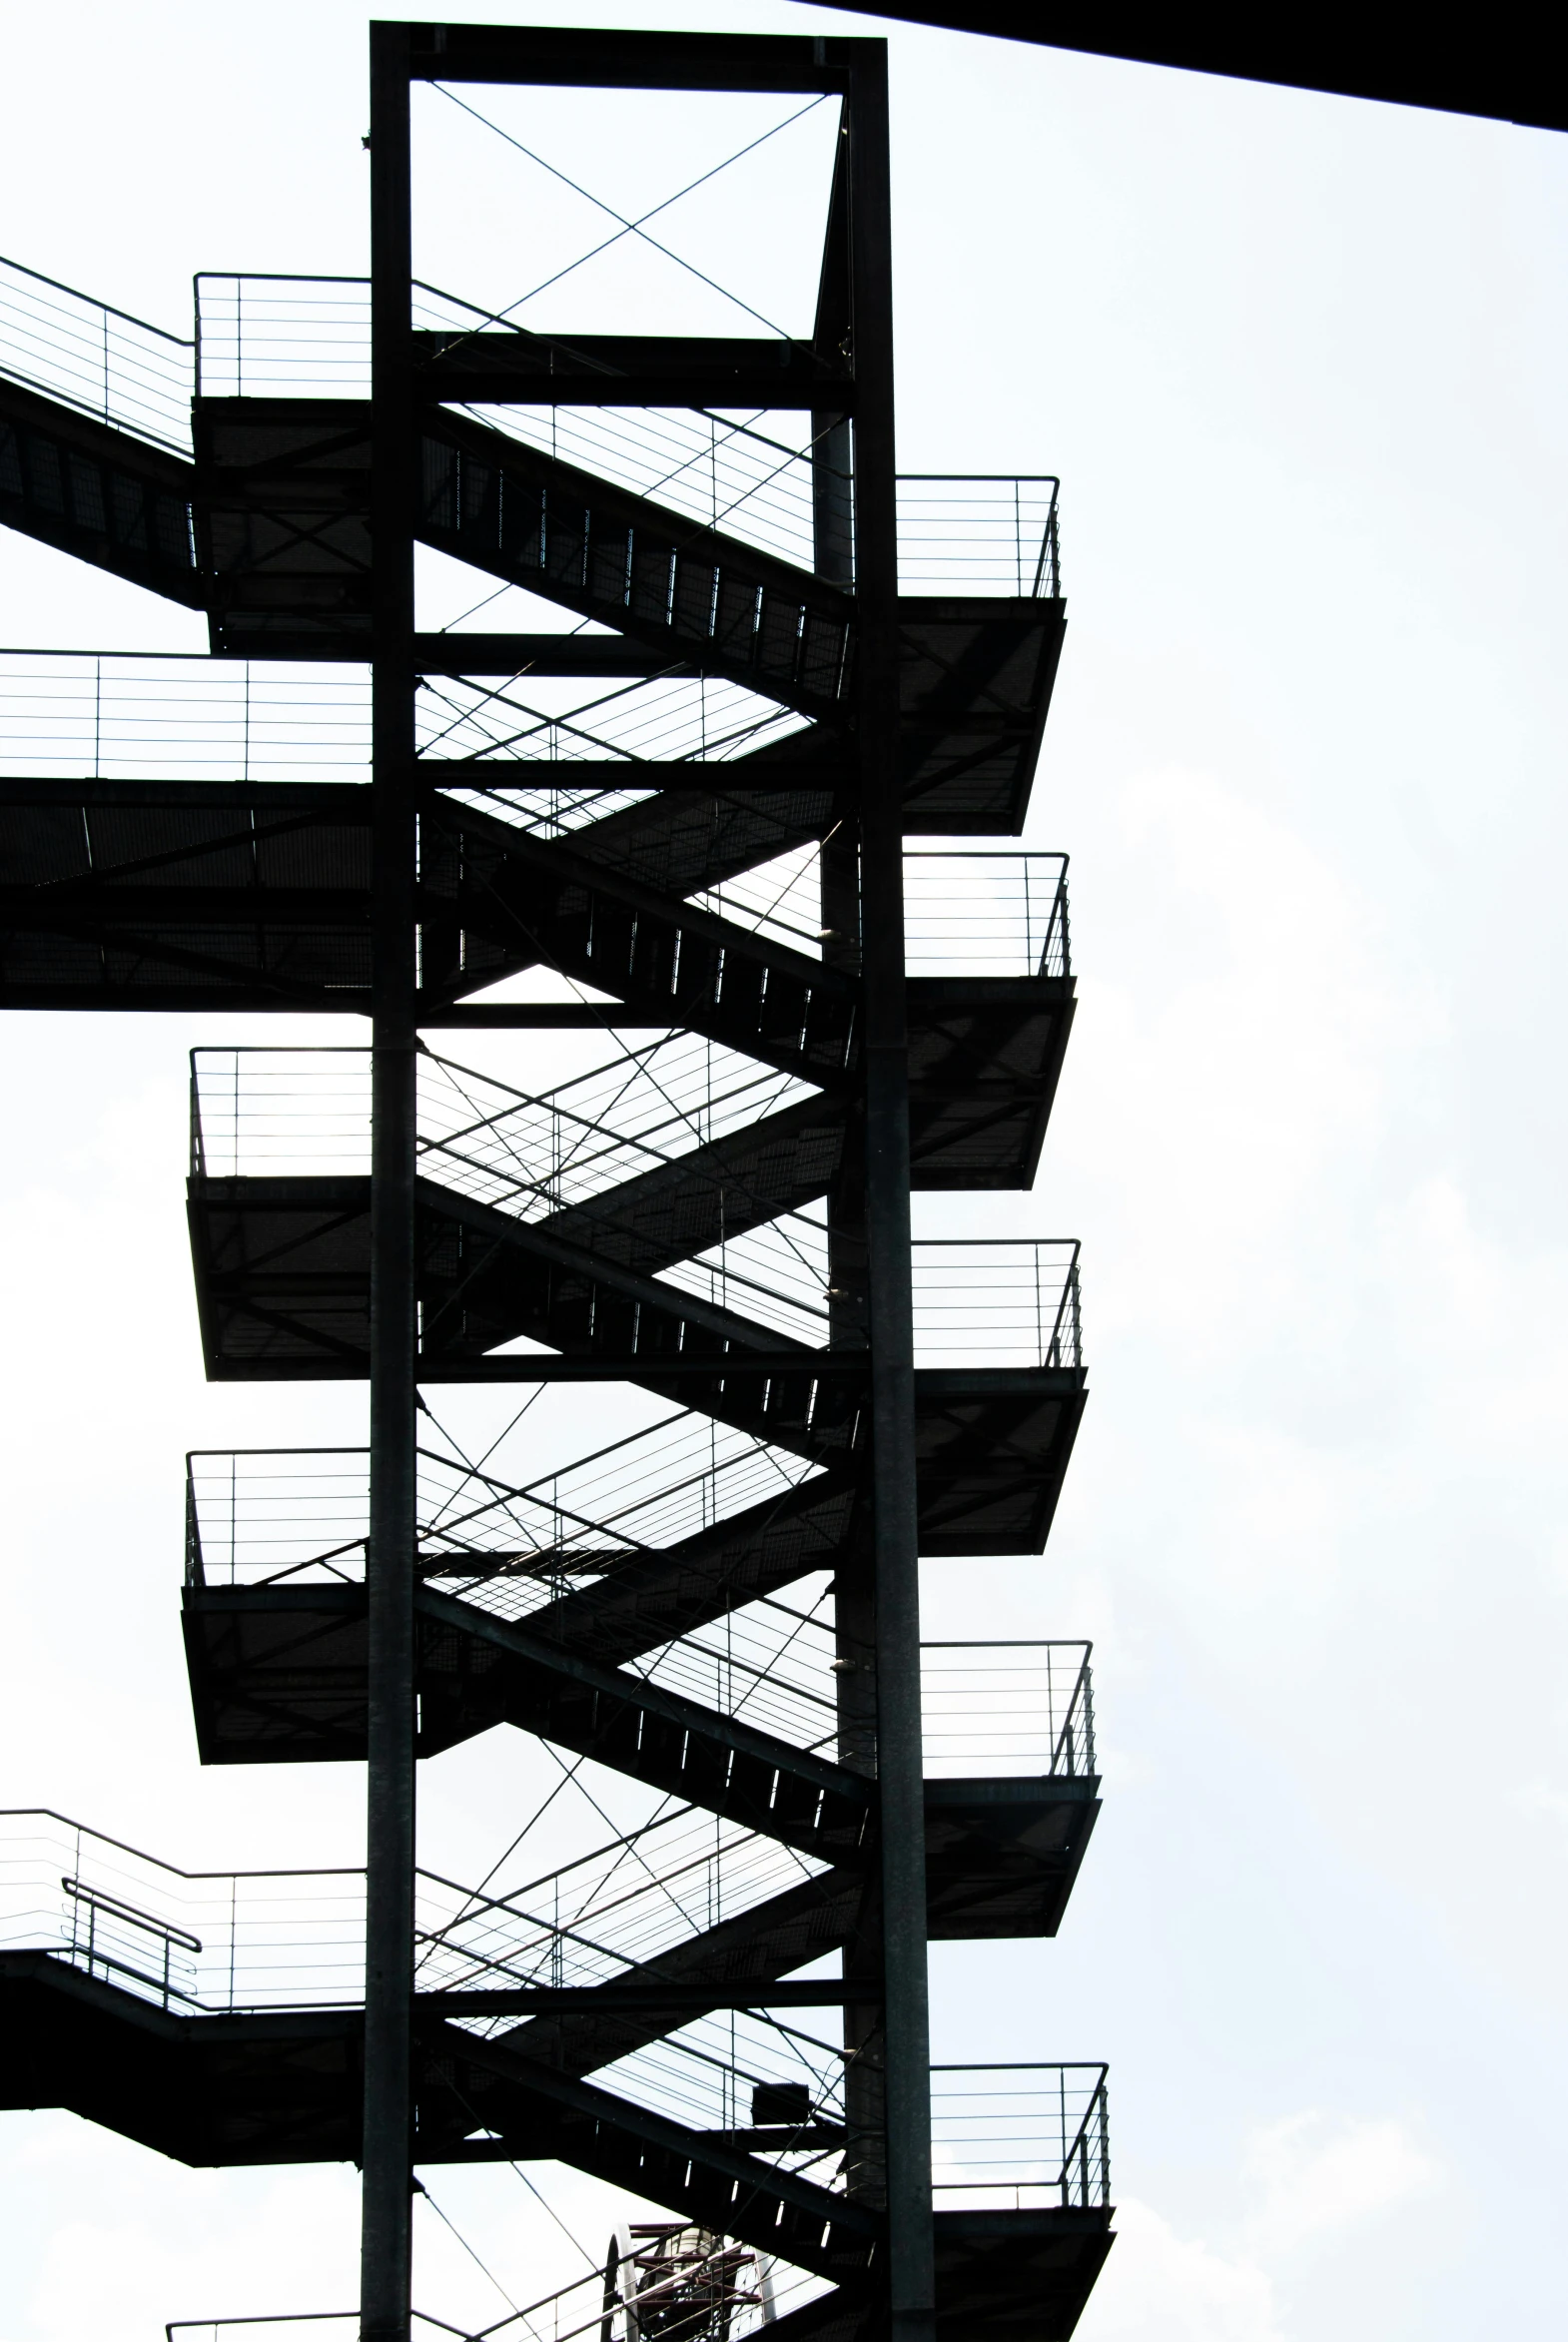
(725, 1607)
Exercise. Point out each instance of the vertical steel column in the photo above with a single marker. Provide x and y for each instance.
(386, 2240)
(910, 2278)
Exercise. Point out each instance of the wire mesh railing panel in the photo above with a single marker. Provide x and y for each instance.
(145, 717)
(262, 1516)
(769, 1662)
(253, 1939)
(625, 1904)
(776, 1276)
(1020, 2137)
(184, 1939)
(996, 913)
(1013, 1709)
(163, 716)
(99, 359)
(280, 337)
(980, 914)
(780, 899)
(642, 1494)
(274, 336)
(749, 475)
(978, 534)
(270, 1113)
(997, 1302)
(649, 1106)
(261, 1113)
(771, 2081)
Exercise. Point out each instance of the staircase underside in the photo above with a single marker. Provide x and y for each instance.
(283, 1289)
(278, 1674)
(267, 2088)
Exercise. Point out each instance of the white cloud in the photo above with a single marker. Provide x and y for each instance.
(1162, 2288)
(1316, 2179)
(1316, 2183)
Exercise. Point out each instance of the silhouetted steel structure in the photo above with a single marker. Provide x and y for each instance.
(717, 1213)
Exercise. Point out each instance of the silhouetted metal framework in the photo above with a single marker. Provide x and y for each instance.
(1507, 65)
(721, 1216)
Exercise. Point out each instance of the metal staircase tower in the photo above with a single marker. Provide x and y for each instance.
(718, 1213)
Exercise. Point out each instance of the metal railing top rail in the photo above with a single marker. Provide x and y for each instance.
(262, 1515)
(993, 1708)
(1021, 2136)
(139, 1854)
(980, 533)
(97, 358)
(151, 715)
(651, 1106)
(1018, 1709)
(997, 1301)
(220, 1941)
(170, 716)
(967, 534)
(990, 912)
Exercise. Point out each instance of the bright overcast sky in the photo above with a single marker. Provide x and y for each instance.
(1301, 364)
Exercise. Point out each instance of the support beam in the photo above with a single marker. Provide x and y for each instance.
(900, 1762)
(385, 2226)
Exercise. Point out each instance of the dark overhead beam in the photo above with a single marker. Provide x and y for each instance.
(1506, 66)
(601, 369)
(586, 58)
(537, 654)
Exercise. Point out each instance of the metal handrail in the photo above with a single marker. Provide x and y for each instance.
(1045, 579)
(1083, 2177)
(78, 369)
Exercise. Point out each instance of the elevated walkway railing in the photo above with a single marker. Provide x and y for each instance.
(292, 336)
(1020, 2137)
(163, 716)
(986, 912)
(1010, 1301)
(1008, 1708)
(626, 1903)
(97, 359)
(310, 337)
(260, 1113)
(151, 716)
(264, 1516)
(301, 1516)
(222, 1940)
